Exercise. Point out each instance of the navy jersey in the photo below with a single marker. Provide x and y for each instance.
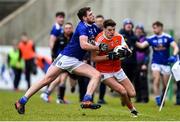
(60, 44)
(161, 45)
(73, 48)
(57, 30)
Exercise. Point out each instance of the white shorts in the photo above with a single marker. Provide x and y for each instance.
(67, 63)
(164, 69)
(119, 75)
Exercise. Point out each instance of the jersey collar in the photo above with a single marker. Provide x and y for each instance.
(160, 35)
(87, 25)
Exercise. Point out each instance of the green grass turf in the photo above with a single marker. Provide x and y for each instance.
(38, 110)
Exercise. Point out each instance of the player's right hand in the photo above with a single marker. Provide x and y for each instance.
(91, 41)
(113, 55)
(103, 47)
(172, 59)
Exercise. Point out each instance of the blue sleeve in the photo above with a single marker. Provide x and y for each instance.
(171, 39)
(82, 31)
(56, 32)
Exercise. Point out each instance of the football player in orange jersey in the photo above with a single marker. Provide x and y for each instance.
(109, 64)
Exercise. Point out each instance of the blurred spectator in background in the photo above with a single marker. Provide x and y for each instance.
(129, 65)
(99, 21)
(27, 48)
(102, 88)
(16, 62)
(142, 56)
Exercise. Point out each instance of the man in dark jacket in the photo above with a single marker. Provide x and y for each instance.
(129, 64)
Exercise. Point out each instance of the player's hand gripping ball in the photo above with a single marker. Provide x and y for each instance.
(103, 47)
(122, 51)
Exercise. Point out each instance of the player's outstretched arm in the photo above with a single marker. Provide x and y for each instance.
(142, 45)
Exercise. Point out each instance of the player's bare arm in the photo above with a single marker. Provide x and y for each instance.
(142, 45)
(175, 48)
(85, 45)
(96, 58)
(52, 41)
(90, 47)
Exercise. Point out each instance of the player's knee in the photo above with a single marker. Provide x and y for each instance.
(97, 75)
(48, 80)
(121, 91)
(132, 93)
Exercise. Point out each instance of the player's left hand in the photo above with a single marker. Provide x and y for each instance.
(125, 52)
(172, 59)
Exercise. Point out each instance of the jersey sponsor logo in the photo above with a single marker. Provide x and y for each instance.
(154, 41)
(116, 41)
(159, 47)
(160, 41)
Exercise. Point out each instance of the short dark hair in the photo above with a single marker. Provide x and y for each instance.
(109, 22)
(68, 23)
(61, 13)
(158, 23)
(24, 34)
(100, 16)
(83, 12)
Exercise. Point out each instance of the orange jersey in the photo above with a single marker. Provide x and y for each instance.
(27, 49)
(109, 65)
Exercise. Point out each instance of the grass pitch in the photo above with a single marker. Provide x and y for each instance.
(37, 110)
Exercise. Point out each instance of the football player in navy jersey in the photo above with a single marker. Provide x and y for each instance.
(160, 43)
(56, 31)
(70, 60)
